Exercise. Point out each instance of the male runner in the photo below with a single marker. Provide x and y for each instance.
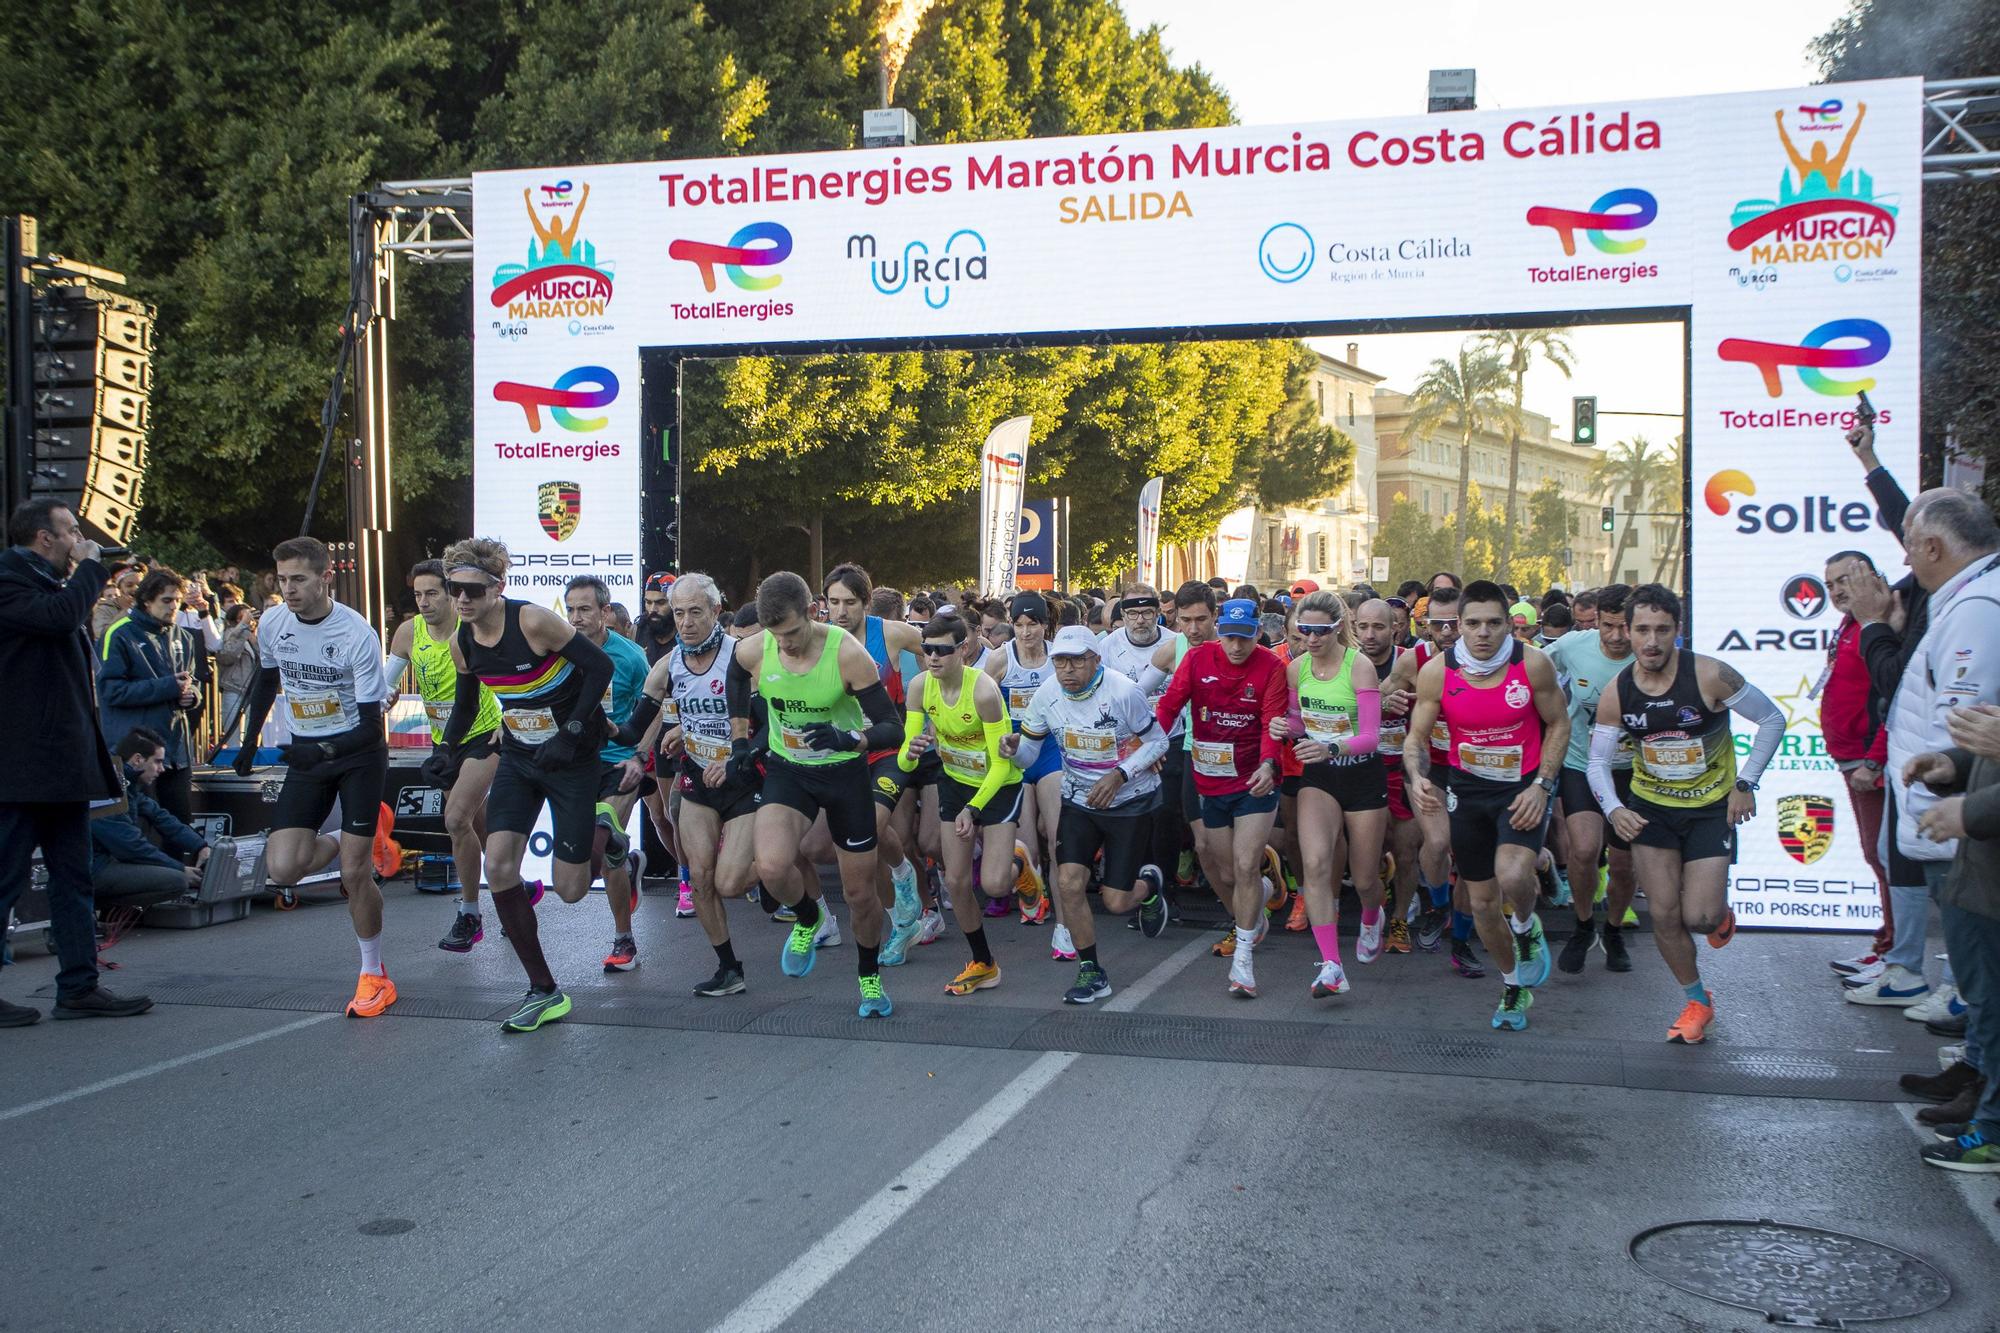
(1193, 623)
(1110, 745)
(1377, 635)
(1687, 795)
(1129, 651)
(423, 644)
(1019, 667)
(848, 592)
(1509, 728)
(822, 689)
(1233, 688)
(624, 780)
(328, 661)
(1586, 661)
(550, 682)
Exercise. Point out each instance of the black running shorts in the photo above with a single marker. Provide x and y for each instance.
(1700, 834)
(1577, 799)
(1480, 825)
(1354, 787)
(1004, 807)
(1121, 832)
(840, 789)
(357, 780)
(521, 787)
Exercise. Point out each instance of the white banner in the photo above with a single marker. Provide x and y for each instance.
(1232, 545)
(1003, 467)
(1149, 531)
(1782, 226)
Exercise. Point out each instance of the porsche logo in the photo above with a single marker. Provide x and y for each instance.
(559, 504)
(1805, 827)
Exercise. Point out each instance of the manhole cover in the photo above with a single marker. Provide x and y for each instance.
(1796, 1275)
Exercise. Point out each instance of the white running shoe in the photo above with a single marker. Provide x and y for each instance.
(1847, 967)
(1242, 976)
(1369, 946)
(1062, 948)
(1935, 1006)
(1332, 980)
(828, 934)
(931, 927)
(1862, 976)
(1898, 988)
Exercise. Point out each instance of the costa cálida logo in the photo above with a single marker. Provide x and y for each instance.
(1805, 827)
(563, 278)
(559, 505)
(1825, 210)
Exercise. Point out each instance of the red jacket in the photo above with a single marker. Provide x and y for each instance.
(1229, 706)
(1843, 704)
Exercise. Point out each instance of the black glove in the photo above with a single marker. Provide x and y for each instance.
(742, 764)
(306, 755)
(559, 751)
(244, 762)
(826, 736)
(439, 768)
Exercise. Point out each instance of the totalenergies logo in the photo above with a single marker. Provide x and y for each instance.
(600, 388)
(1824, 211)
(1619, 211)
(759, 245)
(1815, 355)
(1723, 485)
(562, 278)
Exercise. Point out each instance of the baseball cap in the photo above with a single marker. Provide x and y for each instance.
(1523, 609)
(1072, 641)
(1304, 586)
(1238, 616)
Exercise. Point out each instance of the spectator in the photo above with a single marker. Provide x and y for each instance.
(117, 600)
(236, 667)
(229, 595)
(146, 678)
(128, 868)
(198, 614)
(1852, 725)
(49, 579)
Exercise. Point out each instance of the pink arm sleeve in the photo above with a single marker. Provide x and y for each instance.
(1367, 722)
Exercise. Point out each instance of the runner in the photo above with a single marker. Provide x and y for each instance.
(821, 688)
(1586, 661)
(957, 713)
(1128, 651)
(328, 662)
(423, 644)
(1334, 721)
(624, 779)
(1233, 689)
(1687, 794)
(549, 680)
(1194, 624)
(848, 592)
(1509, 728)
(1376, 635)
(1019, 667)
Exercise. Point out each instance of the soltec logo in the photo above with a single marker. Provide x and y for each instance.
(601, 388)
(1817, 352)
(562, 278)
(1627, 210)
(962, 259)
(1810, 513)
(1824, 211)
(1724, 484)
(760, 245)
(1804, 597)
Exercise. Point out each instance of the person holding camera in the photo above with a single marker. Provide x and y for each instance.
(128, 867)
(149, 674)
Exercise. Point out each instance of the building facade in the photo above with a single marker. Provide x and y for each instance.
(1330, 540)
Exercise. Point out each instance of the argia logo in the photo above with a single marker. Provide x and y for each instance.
(1804, 596)
(562, 278)
(759, 245)
(601, 387)
(1824, 211)
(1816, 353)
(1618, 211)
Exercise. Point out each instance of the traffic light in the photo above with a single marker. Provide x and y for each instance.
(1607, 518)
(93, 379)
(1583, 420)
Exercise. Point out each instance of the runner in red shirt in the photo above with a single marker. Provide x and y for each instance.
(1233, 689)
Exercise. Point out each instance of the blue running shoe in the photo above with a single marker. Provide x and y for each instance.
(1531, 950)
(875, 1001)
(895, 949)
(1513, 1011)
(796, 959)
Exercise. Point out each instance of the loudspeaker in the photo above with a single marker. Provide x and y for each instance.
(93, 378)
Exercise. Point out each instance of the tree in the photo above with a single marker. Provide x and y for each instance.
(1414, 546)
(1639, 474)
(1307, 458)
(1539, 563)
(1464, 393)
(1519, 349)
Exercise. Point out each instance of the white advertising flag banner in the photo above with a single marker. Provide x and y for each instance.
(1149, 531)
(1781, 226)
(1003, 467)
(1232, 545)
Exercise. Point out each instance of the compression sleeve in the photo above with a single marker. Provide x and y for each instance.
(736, 689)
(1603, 745)
(913, 727)
(464, 709)
(635, 726)
(1367, 722)
(999, 770)
(1756, 706)
(263, 693)
(1030, 751)
(392, 674)
(1151, 678)
(593, 666)
(1152, 743)
(364, 735)
(883, 727)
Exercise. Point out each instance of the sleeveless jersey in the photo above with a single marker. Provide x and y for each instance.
(1394, 729)
(961, 734)
(437, 682)
(1441, 751)
(1329, 708)
(1497, 731)
(799, 699)
(1019, 683)
(534, 689)
(698, 702)
(1684, 753)
(877, 644)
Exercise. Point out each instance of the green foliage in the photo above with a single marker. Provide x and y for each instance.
(1463, 393)
(1518, 350)
(1417, 547)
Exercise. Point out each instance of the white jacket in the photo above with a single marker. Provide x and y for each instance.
(1957, 662)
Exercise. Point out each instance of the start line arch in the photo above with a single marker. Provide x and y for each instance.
(1783, 227)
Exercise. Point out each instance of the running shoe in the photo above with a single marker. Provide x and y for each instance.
(1967, 1152)
(1512, 1014)
(536, 890)
(875, 1001)
(1531, 951)
(1297, 920)
(1545, 875)
(1389, 877)
(1578, 947)
(384, 851)
(1692, 1026)
(624, 955)
(1029, 891)
(1896, 988)
(1332, 980)
(538, 1007)
(1956, 1129)
(1616, 959)
(1847, 967)
(1062, 947)
(895, 949)
(1275, 889)
(1368, 944)
(726, 981)
(1725, 931)
(1464, 961)
(1226, 946)
(684, 908)
(1184, 869)
(908, 906)
(1091, 985)
(635, 865)
(1154, 914)
(466, 931)
(827, 933)
(373, 993)
(1431, 923)
(796, 958)
(1242, 976)
(616, 841)
(1399, 937)
(1038, 914)
(785, 915)
(1934, 1007)
(930, 927)
(1563, 895)
(997, 907)
(976, 976)
(1866, 974)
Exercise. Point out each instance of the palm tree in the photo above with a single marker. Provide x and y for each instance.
(1518, 349)
(1465, 392)
(1637, 472)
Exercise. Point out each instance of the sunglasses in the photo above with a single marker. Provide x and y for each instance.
(940, 649)
(1316, 630)
(472, 592)
(1436, 622)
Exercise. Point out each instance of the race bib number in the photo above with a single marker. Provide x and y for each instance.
(1090, 747)
(1215, 759)
(1440, 735)
(972, 762)
(440, 716)
(315, 713)
(1673, 758)
(1018, 698)
(705, 749)
(1394, 732)
(795, 747)
(1327, 727)
(530, 726)
(1497, 763)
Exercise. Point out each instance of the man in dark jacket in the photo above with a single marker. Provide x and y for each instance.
(127, 867)
(147, 677)
(60, 763)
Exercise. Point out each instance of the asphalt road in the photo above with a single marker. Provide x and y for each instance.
(242, 1157)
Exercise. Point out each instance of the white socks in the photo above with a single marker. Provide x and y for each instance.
(371, 954)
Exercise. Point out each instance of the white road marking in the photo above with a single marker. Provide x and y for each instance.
(781, 1298)
(105, 1085)
(1978, 1190)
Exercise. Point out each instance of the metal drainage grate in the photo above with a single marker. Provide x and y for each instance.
(1805, 1277)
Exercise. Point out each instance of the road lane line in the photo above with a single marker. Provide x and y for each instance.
(781, 1298)
(105, 1085)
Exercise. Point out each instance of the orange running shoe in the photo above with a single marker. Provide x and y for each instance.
(1692, 1026)
(1274, 875)
(1297, 920)
(387, 855)
(1030, 894)
(1398, 936)
(1725, 932)
(1226, 946)
(373, 993)
(1389, 874)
